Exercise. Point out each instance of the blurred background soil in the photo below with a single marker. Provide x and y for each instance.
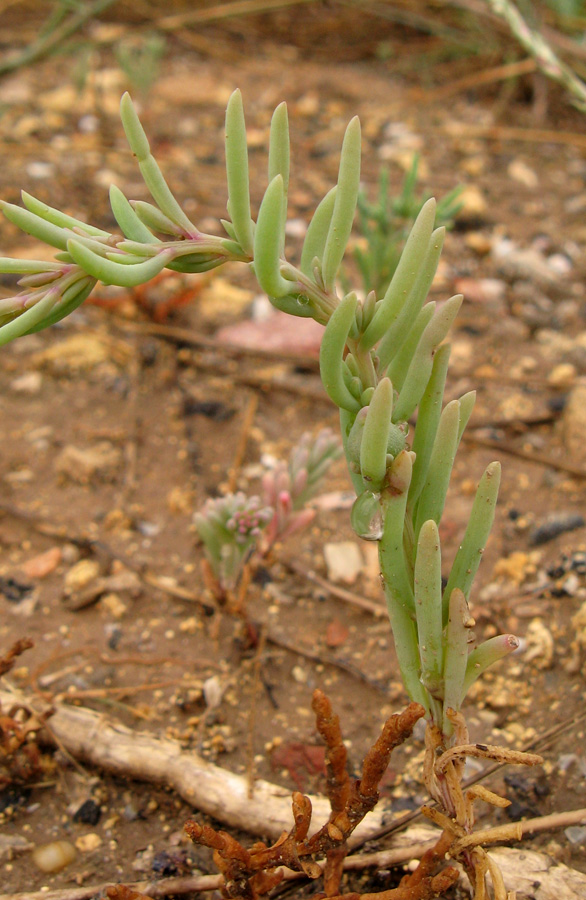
(163, 419)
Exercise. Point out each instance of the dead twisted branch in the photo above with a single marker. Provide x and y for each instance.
(251, 874)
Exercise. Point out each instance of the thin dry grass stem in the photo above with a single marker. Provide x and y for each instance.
(250, 874)
(486, 751)
(511, 832)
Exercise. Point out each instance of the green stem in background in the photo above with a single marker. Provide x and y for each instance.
(547, 61)
(53, 33)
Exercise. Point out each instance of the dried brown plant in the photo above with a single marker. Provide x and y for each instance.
(251, 874)
(120, 892)
(443, 771)
(21, 760)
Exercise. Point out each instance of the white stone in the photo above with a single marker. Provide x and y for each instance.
(344, 561)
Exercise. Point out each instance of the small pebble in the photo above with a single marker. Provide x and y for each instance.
(555, 525)
(344, 561)
(89, 813)
(562, 376)
(82, 574)
(54, 856)
(576, 834)
(85, 843)
(27, 383)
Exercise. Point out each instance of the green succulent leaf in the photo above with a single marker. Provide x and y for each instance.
(268, 241)
(10, 266)
(279, 146)
(317, 233)
(152, 217)
(237, 173)
(56, 217)
(32, 224)
(468, 557)
(127, 219)
(375, 438)
(399, 366)
(153, 177)
(331, 354)
(456, 654)
(428, 418)
(419, 371)
(392, 341)
(344, 204)
(406, 273)
(427, 588)
(114, 273)
(486, 655)
(433, 496)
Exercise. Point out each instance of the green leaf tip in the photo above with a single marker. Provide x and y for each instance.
(135, 133)
(344, 203)
(375, 437)
(268, 239)
(237, 172)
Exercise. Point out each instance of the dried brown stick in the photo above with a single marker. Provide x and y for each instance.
(93, 737)
(510, 133)
(477, 79)
(160, 888)
(325, 659)
(539, 458)
(341, 593)
(242, 442)
(250, 726)
(224, 11)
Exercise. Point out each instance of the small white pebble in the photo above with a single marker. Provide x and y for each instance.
(54, 856)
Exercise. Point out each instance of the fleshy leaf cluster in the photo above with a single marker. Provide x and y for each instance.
(383, 363)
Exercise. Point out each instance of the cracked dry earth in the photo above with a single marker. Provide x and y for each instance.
(115, 430)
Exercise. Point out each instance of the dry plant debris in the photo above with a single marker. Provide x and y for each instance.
(20, 758)
(443, 772)
(250, 874)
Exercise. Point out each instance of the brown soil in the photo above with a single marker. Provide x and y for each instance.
(130, 389)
